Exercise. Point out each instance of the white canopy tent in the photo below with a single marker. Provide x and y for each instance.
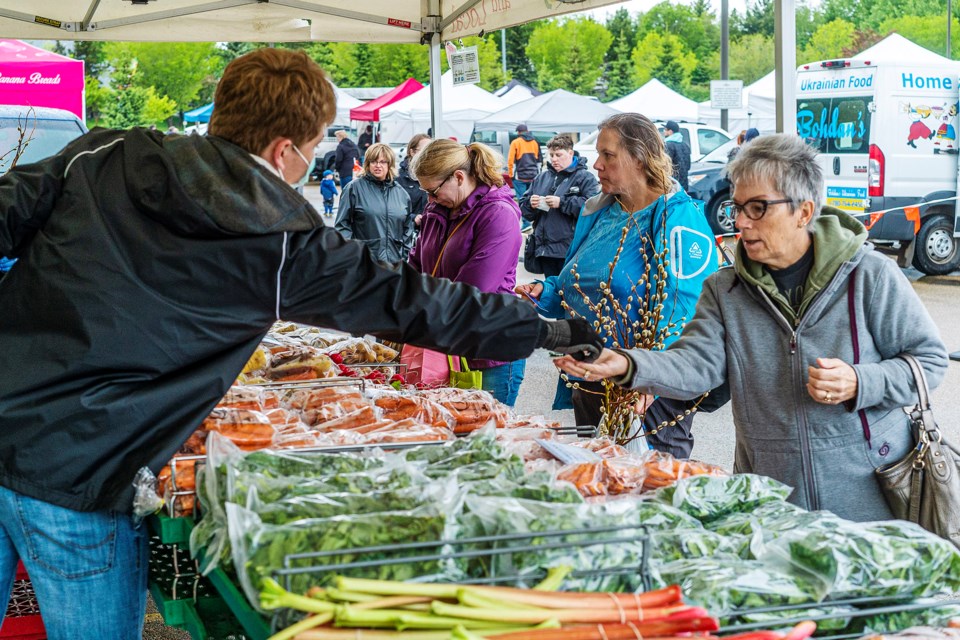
(657, 101)
(514, 92)
(345, 102)
(415, 21)
(554, 111)
(461, 107)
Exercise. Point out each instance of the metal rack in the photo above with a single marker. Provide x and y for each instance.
(843, 609)
(461, 549)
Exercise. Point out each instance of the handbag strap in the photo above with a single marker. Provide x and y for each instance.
(464, 368)
(852, 308)
(444, 247)
(931, 442)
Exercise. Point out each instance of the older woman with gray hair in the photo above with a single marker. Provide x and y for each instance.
(806, 328)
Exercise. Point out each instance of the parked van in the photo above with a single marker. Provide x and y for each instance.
(500, 141)
(887, 135)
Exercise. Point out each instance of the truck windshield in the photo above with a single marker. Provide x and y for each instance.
(835, 125)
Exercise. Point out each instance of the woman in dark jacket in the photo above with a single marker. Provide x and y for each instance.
(553, 203)
(418, 198)
(376, 210)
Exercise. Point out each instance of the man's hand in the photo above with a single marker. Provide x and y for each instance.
(534, 201)
(610, 364)
(575, 337)
(552, 201)
(832, 381)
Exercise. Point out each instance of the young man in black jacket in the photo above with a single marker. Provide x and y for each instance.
(150, 267)
(678, 150)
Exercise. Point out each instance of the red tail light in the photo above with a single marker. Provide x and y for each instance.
(875, 172)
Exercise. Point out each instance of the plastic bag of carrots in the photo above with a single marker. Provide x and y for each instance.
(472, 409)
(663, 469)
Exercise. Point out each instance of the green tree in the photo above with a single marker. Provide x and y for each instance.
(363, 69)
(177, 70)
(751, 57)
(620, 76)
(829, 41)
(158, 109)
(862, 39)
(519, 64)
(127, 108)
(97, 97)
(926, 31)
(569, 54)
(757, 19)
(621, 25)
(663, 56)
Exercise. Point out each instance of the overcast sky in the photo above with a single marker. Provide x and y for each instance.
(636, 6)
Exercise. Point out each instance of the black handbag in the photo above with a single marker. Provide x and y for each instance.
(531, 262)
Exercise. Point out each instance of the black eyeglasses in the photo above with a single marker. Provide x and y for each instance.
(433, 192)
(753, 209)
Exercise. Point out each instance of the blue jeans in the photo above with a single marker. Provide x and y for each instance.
(344, 181)
(503, 382)
(89, 570)
(520, 187)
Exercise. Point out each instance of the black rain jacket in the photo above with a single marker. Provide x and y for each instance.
(377, 212)
(553, 229)
(418, 197)
(347, 152)
(150, 268)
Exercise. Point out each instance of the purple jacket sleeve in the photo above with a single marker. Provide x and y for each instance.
(496, 247)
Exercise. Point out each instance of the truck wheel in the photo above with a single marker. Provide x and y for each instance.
(719, 222)
(937, 252)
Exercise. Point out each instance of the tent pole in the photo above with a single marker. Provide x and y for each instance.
(436, 102)
(785, 36)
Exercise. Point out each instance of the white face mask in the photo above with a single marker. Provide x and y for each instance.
(306, 176)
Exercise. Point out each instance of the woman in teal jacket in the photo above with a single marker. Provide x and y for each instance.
(639, 196)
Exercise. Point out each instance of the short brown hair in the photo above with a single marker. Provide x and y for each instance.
(380, 151)
(272, 93)
(560, 142)
(442, 157)
(640, 138)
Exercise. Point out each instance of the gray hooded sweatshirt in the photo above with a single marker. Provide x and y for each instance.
(744, 331)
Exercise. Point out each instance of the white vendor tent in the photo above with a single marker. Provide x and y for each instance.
(657, 101)
(345, 102)
(558, 110)
(461, 107)
(514, 92)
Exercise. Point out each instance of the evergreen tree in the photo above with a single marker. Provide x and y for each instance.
(669, 70)
(620, 76)
(621, 24)
(519, 65)
(363, 70)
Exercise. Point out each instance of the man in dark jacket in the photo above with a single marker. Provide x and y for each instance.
(678, 150)
(554, 201)
(347, 154)
(151, 266)
(365, 140)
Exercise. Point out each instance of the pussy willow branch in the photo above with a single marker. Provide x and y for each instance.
(612, 319)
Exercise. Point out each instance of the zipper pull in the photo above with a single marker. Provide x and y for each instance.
(793, 343)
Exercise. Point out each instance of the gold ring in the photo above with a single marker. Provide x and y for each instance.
(586, 375)
(828, 397)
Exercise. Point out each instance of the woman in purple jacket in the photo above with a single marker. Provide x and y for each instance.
(470, 233)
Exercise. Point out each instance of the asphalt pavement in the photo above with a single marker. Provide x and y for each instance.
(713, 431)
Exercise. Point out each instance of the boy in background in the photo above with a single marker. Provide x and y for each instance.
(328, 189)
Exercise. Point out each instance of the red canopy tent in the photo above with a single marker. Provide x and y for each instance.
(370, 111)
(39, 78)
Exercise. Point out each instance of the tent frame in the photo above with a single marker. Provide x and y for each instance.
(430, 27)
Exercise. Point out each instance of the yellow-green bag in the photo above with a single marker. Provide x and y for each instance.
(462, 376)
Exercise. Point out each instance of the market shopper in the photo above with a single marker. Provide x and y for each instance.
(524, 160)
(376, 210)
(553, 202)
(418, 198)
(645, 209)
(806, 328)
(679, 152)
(150, 268)
(346, 155)
(471, 234)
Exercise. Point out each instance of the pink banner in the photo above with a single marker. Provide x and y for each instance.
(40, 78)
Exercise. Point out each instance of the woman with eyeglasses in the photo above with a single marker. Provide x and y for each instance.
(376, 209)
(806, 328)
(470, 233)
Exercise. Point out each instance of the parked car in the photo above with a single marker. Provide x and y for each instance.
(703, 139)
(45, 131)
(708, 182)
